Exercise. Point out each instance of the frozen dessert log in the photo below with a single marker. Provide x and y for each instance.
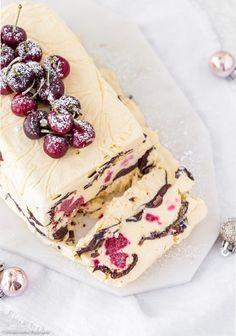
(49, 191)
(140, 226)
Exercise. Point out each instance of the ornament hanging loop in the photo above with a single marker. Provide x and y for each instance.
(227, 248)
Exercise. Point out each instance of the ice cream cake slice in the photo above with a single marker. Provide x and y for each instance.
(140, 226)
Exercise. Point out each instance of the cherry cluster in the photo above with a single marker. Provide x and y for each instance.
(35, 82)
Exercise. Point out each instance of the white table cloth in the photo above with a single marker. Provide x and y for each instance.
(184, 33)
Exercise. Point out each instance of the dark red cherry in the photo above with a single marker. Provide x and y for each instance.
(20, 77)
(55, 146)
(4, 87)
(7, 55)
(34, 123)
(37, 69)
(29, 51)
(23, 104)
(57, 65)
(60, 123)
(53, 91)
(83, 134)
(68, 104)
(12, 35)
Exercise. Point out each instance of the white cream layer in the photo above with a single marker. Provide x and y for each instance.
(37, 178)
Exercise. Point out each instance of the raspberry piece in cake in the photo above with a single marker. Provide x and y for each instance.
(114, 244)
(119, 259)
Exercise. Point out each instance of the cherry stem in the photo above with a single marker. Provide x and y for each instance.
(68, 135)
(17, 59)
(29, 88)
(40, 87)
(18, 15)
(46, 131)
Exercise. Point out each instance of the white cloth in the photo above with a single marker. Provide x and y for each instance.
(182, 34)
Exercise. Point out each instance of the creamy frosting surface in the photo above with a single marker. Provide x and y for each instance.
(37, 177)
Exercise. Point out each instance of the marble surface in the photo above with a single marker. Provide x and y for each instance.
(206, 305)
(164, 106)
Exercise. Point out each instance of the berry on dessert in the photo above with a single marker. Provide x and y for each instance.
(12, 35)
(60, 123)
(23, 104)
(37, 69)
(58, 66)
(55, 146)
(29, 51)
(34, 123)
(20, 77)
(68, 104)
(52, 90)
(7, 55)
(83, 134)
(22, 73)
(4, 87)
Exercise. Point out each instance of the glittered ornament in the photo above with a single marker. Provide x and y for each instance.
(13, 281)
(228, 234)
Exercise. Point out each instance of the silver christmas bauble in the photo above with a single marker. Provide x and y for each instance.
(228, 234)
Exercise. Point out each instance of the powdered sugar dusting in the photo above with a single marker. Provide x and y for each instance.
(60, 123)
(57, 65)
(54, 141)
(54, 90)
(3, 79)
(23, 104)
(29, 51)
(6, 56)
(55, 146)
(12, 35)
(37, 68)
(68, 104)
(83, 134)
(20, 77)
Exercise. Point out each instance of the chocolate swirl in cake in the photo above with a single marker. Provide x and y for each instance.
(117, 274)
(154, 203)
(174, 229)
(31, 219)
(182, 170)
(95, 242)
(105, 166)
(141, 164)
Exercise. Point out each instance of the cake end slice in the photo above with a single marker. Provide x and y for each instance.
(140, 226)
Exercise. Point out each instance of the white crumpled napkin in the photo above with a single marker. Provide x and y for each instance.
(183, 37)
